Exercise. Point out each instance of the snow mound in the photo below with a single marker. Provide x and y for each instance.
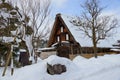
(57, 60)
(39, 71)
(70, 66)
(80, 61)
(103, 68)
(79, 58)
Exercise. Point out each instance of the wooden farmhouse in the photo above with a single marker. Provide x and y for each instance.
(66, 39)
(62, 38)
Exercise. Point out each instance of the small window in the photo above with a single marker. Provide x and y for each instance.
(58, 38)
(67, 37)
(61, 29)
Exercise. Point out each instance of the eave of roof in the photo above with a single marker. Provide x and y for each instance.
(83, 40)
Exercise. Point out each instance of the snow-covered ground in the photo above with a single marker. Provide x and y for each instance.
(103, 68)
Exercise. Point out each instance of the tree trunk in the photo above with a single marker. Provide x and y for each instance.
(94, 43)
(94, 38)
(95, 50)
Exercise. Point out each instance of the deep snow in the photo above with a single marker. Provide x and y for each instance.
(103, 68)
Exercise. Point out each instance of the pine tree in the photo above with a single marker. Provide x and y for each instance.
(12, 24)
(3, 1)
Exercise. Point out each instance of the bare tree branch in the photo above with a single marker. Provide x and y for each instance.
(38, 12)
(94, 25)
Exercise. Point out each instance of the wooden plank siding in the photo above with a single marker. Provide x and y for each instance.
(56, 31)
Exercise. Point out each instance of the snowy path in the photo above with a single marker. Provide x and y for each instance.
(105, 74)
(102, 73)
(103, 68)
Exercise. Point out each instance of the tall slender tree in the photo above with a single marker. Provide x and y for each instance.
(38, 12)
(93, 24)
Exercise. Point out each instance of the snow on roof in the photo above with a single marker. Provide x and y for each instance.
(50, 48)
(115, 49)
(22, 50)
(84, 40)
(58, 43)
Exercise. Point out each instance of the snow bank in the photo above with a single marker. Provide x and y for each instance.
(103, 68)
(77, 60)
(93, 67)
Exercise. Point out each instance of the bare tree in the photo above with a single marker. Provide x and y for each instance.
(93, 24)
(37, 12)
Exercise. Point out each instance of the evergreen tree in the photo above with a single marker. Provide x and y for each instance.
(12, 24)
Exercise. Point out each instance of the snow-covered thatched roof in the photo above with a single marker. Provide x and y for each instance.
(83, 40)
